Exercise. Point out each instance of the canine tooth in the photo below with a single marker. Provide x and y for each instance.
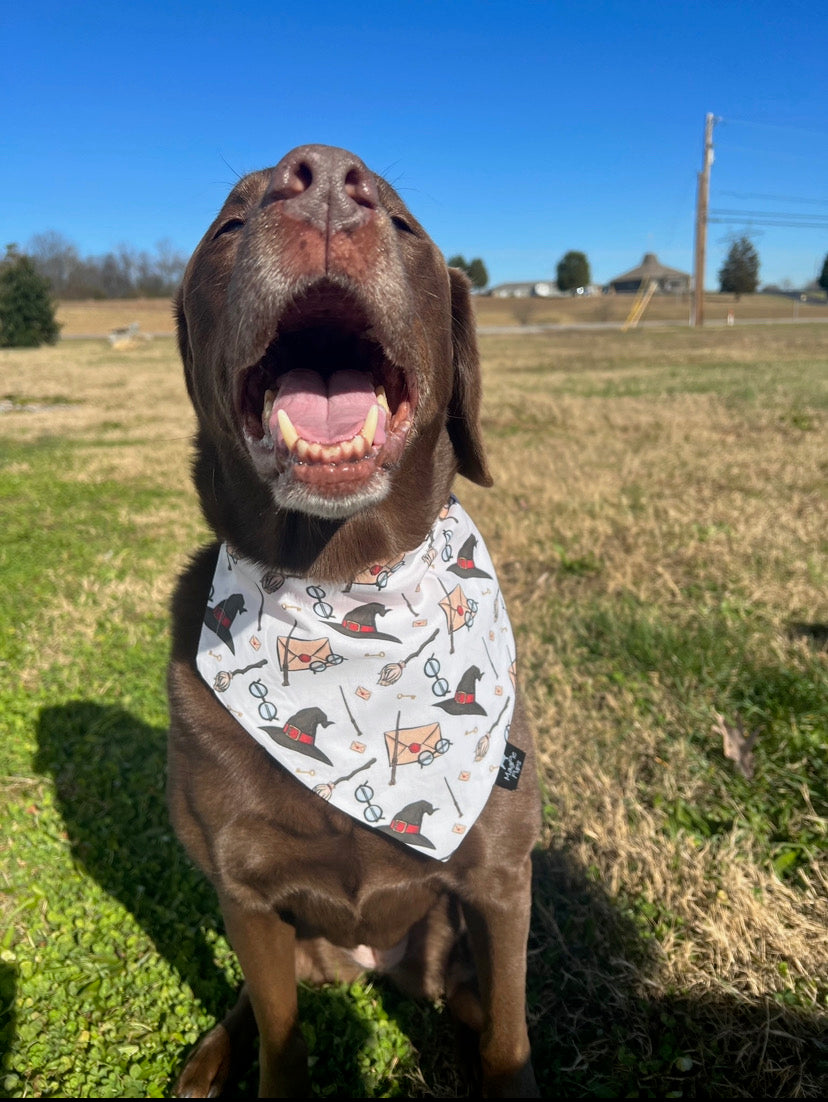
(369, 429)
(289, 433)
(382, 399)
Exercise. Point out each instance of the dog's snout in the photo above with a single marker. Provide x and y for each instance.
(328, 187)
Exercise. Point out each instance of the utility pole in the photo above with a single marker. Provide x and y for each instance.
(702, 200)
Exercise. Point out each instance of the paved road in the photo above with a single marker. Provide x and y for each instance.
(505, 330)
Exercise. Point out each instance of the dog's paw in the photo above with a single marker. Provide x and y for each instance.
(516, 1084)
(207, 1067)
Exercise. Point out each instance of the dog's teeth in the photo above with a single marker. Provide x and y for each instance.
(289, 433)
(358, 447)
(369, 429)
(347, 448)
(382, 399)
(301, 447)
(315, 451)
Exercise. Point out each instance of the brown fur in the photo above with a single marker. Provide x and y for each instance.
(300, 883)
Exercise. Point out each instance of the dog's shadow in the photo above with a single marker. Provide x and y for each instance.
(109, 774)
(109, 771)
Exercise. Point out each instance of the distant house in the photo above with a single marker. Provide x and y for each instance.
(536, 289)
(667, 279)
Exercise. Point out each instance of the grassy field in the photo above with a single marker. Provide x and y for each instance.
(154, 316)
(659, 524)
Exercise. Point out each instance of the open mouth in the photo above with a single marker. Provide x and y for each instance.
(325, 404)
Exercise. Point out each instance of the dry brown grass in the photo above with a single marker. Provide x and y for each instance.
(97, 318)
(652, 487)
(127, 408)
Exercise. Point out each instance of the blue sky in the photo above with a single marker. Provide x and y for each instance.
(515, 131)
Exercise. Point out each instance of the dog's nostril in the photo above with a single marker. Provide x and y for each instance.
(360, 187)
(297, 179)
(290, 180)
(301, 178)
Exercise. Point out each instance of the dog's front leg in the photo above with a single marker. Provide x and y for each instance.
(498, 926)
(266, 948)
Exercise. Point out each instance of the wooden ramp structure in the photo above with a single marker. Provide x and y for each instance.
(640, 304)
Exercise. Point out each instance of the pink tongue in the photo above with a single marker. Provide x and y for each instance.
(326, 412)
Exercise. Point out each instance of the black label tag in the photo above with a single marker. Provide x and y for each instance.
(511, 766)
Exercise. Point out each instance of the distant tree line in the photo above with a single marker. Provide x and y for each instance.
(122, 273)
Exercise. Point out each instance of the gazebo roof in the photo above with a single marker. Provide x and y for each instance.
(649, 268)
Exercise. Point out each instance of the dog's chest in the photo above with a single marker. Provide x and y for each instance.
(390, 697)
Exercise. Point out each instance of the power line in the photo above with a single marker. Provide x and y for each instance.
(786, 216)
(773, 198)
(775, 126)
(770, 222)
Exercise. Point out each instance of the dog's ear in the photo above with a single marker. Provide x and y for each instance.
(183, 338)
(464, 408)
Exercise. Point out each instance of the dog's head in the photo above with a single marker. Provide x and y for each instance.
(329, 352)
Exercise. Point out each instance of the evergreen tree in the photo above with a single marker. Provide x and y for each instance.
(823, 276)
(573, 271)
(477, 273)
(27, 313)
(739, 275)
(474, 269)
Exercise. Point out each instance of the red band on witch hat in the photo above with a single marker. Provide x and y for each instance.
(297, 735)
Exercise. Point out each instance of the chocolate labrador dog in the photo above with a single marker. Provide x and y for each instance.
(347, 760)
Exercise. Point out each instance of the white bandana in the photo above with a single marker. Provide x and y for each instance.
(391, 696)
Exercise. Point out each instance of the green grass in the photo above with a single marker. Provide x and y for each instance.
(664, 561)
(716, 659)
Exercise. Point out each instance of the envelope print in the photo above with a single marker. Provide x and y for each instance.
(305, 654)
(415, 744)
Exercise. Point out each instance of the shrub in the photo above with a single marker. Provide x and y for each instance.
(27, 312)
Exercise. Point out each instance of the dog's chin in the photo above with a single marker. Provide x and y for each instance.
(331, 491)
(296, 496)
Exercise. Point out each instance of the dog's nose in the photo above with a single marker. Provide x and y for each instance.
(328, 187)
